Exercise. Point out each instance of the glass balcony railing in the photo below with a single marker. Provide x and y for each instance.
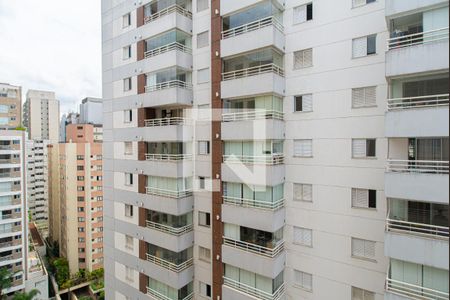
(253, 203)
(418, 102)
(253, 71)
(167, 48)
(253, 291)
(400, 40)
(252, 26)
(255, 114)
(417, 166)
(160, 296)
(269, 159)
(160, 291)
(170, 265)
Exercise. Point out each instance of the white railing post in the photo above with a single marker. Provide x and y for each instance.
(166, 11)
(253, 71)
(417, 166)
(418, 102)
(420, 38)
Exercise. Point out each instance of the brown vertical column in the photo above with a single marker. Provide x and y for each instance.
(142, 183)
(142, 114)
(142, 150)
(216, 150)
(143, 248)
(141, 83)
(140, 16)
(142, 217)
(143, 282)
(140, 50)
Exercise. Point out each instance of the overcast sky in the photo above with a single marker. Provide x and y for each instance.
(52, 45)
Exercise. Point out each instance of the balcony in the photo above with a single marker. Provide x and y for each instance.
(421, 116)
(268, 160)
(168, 157)
(403, 50)
(253, 124)
(177, 231)
(403, 7)
(253, 248)
(173, 92)
(229, 7)
(169, 265)
(417, 180)
(264, 79)
(252, 203)
(173, 54)
(12, 160)
(233, 290)
(167, 11)
(408, 291)
(168, 193)
(4, 148)
(156, 295)
(266, 32)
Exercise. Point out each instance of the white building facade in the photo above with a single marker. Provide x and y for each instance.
(275, 149)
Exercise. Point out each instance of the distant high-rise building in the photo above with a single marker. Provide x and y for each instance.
(70, 118)
(91, 111)
(10, 106)
(276, 149)
(41, 116)
(13, 207)
(37, 183)
(76, 203)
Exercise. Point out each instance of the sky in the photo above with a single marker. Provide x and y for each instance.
(52, 45)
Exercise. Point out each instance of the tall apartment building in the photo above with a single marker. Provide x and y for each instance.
(10, 106)
(13, 208)
(320, 167)
(70, 118)
(91, 111)
(41, 115)
(37, 183)
(76, 219)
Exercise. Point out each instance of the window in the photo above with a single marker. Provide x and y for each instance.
(80, 157)
(203, 75)
(80, 209)
(201, 183)
(360, 294)
(128, 148)
(203, 147)
(303, 13)
(127, 84)
(363, 248)
(303, 280)
(204, 219)
(362, 198)
(128, 116)
(128, 210)
(81, 250)
(204, 254)
(363, 148)
(303, 103)
(357, 3)
(128, 179)
(302, 192)
(129, 242)
(205, 289)
(80, 188)
(303, 236)
(80, 178)
(365, 46)
(80, 229)
(80, 168)
(303, 148)
(80, 219)
(364, 97)
(129, 274)
(303, 59)
(80, 199)
(126, 20)
(126, 52)
(204, 113)
(202, 5)
(202, 39)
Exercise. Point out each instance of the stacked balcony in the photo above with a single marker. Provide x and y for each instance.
(417, 171)
(160, 291)
(252, 89)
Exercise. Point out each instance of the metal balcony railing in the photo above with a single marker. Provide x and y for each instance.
(177, 231)
(167, 157)
(253, 71)
(257, 114)
(169, 265)
(275, 205)
(160, 296)
(168, 85)
(253, 248)
(10, 161)
(420, 38)
(418, 102)
(250, 290)
(274, 159)
(165, 122)
(417, 166)
(167, 11)
(414, 291)
(6, 257)
(420, 229)
(269, 21)
(167, 48)
(168, 193)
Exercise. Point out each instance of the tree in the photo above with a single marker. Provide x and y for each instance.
(5, 280)
(61, 270)
(26, 296)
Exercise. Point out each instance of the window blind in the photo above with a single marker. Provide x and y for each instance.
(307, 102)
(203, 39)
(303, 148)
(303, 279)
(303, 236)
(363, 248)
(360, 198)
(360, 47)
(300, 14)
(359, 148)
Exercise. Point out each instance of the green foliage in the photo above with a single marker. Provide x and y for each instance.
(97, 284)
(101, 295)
(5, 280)
(85, 298)
(20, 128)
(61, 270)
(26, 296)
